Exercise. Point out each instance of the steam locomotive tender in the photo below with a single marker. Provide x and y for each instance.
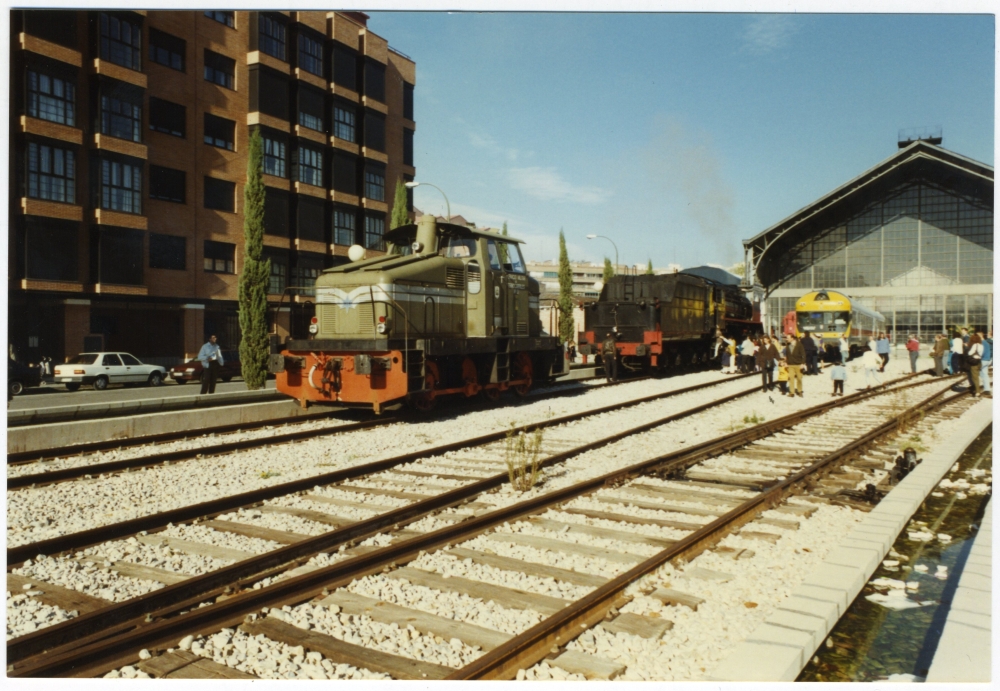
(447, 310)
(665, 321)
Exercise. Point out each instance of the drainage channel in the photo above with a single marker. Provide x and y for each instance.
(891, 631)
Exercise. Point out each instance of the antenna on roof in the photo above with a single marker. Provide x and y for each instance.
(931, 135)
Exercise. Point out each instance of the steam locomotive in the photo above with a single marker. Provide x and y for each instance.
(447, 310)
(665, 321)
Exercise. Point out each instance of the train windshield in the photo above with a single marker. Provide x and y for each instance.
(457, 247)
(822, 321)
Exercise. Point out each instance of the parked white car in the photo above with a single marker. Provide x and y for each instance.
(101, 369)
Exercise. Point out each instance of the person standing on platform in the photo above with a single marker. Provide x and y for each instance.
(873, 365)
(796, 359)
(973, 360)
(839, 375)
(957, 349)
(746, 355)
(609, 352)
(767, 354)
(913, 348)
(984, 366)
(883, 351)
(809, 345)
(938, 353)
(210, 357)
(845, 350)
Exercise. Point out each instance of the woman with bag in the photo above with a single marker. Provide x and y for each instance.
(973, 357)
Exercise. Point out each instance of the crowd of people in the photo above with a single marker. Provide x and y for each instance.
(783, 362)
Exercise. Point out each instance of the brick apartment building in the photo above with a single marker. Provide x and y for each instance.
(129, 135)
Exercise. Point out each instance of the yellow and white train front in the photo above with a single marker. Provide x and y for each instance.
(832, 315)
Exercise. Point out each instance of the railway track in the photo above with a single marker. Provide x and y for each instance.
(30, 457)
(458, 525)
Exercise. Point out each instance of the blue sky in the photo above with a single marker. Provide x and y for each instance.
(678, 135)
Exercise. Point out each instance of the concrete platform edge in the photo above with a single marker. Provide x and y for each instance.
(837, 581)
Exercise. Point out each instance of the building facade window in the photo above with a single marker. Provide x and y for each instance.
(274, 157)
(220, 257)
(407, 100)
(375, 182)
(167, 252)
(310, 222)
(344, 127)
(306, 270)
(276, 206)
(407, 147)
(167, 50)
(56, 26)
(311, 55)
(375, 131)
(121, 187)
(374, 233)
(167, 184)
(271, 36)
(169, 118)
(116, 256)
(50, 249)
(51, 98)
(220, 195)
(51, 173)
(121, 41)
(279, 270)
(227, 18)
(310, 166)
(375, 80)
(219, 69)
(343, 227)
(345, 172)
(345, 67)
(311, 107)
(121, 114)
(219, 132)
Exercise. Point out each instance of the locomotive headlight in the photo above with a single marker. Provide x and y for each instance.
(313, 325)
(381, 328)
(416, 247)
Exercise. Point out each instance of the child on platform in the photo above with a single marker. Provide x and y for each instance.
(783, 376)
(839, 375)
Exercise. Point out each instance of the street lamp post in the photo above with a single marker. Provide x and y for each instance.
(413, 184)
(591, 237)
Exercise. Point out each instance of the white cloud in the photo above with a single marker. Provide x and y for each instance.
(767, 33)
(489, 144)
(546, 184)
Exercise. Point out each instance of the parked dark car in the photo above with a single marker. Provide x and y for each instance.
(191, 370)
(20, 376)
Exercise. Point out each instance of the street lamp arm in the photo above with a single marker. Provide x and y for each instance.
(605, 237)
(447, 204)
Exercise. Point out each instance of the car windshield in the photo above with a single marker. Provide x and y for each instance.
(822, 321)
(457, 247)
(83, 359)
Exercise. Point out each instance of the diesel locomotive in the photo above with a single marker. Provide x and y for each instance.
(447, 310)
(665, 321)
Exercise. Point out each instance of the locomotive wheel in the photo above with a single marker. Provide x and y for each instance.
(523, 369)
(470, 375)
(424, 400)
(492, 395)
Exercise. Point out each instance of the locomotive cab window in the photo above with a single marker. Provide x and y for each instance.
(457, 247)
(494, 255)
(512, 254)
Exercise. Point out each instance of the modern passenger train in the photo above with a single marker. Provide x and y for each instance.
(834, 315)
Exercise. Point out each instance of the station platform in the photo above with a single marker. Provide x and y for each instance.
(963, 653)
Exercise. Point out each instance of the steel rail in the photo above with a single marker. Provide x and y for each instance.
(86, 538)
(33, 642)
(533, 645)
(127, 636)
(82, 471)
(25, 457)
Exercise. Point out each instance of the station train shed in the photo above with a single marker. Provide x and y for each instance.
(912, 238)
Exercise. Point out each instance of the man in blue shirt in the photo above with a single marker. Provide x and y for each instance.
(210, 357)
(882, 348)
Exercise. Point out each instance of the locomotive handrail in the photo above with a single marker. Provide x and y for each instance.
(277, 310)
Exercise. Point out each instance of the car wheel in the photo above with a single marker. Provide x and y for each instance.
(72, 387)
(155, 379)
(16, 388)
(181, 381)
(227, 379)
(101, 383)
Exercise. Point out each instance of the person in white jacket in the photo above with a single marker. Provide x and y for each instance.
(872, 364)
(975, 359)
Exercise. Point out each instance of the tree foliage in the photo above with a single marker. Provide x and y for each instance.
(609, 270)
(256, 272)
(566, 322)
(649, 267)
(400, 215)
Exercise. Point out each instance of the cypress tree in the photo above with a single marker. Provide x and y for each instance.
(504, 231)
(400, 216)
(256, 272)
(609, 270)
(649, 267)
(566, 323)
